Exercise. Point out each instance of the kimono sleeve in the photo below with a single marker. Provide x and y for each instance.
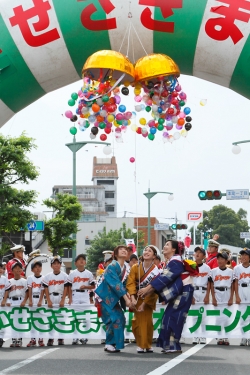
(132, 280)
(111, 277)
(170, 274)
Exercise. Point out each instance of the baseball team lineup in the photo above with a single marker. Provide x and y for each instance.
(137, 284)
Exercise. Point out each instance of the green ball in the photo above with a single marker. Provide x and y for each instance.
(73, 130)
(105, 98)
(182, 103)
(160, 127)
(161, 121)
(87, 124)
(119, 122)
(151, 137)
(148, 108)
(74, 95)
(102, 125)
(71, 102)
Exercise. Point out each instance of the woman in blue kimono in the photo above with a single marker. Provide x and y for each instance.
(110, 291)
(175, 287)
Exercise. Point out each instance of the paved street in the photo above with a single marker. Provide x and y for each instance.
(92, 360)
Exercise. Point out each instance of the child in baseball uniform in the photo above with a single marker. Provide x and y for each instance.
(17, 294)
(36, 292)
(4, 286)
(80, 282)
(201, 284)
(222, 289)
(56, 288)
(242, 283)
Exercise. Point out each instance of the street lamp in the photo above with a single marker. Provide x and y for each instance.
(150, 195)
(236, 149)
(74, 147)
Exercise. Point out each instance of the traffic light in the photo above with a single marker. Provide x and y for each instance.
(179, 226)
(209, 195)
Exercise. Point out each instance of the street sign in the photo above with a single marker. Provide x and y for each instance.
(244, 234)
(35, 225)
(235, 194)
(161, 226)
(194, 216)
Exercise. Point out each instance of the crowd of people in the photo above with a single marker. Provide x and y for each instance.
(124, 281)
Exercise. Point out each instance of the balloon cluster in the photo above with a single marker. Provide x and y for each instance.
(159, 106)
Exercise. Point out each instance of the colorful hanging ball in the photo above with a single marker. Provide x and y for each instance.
(125, 91)
(132, 160)
(152, 130)
(151, 136)
(188, 126)
(71, 102)
(187, 110)
(102, 125)
(105, 98)
(94, 130)
(73, 130)
(103, 137)
(74, 96)
(68, 114)
(188, 118)
(148, 108)
(122, 108)
(74, 118)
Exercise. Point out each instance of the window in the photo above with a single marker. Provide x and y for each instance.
(87, 241)
(67, 253)
(109, 194)
(110, 208)
(105, 182)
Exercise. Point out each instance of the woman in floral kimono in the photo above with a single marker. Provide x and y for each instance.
(175, 287)
(140, 276)
(110, 291)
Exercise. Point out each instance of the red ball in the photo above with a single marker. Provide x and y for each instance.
(103, 137)
(132, 160)
(107, 130)
(138, 130)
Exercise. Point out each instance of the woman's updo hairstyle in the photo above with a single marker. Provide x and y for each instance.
(152, 248)
(178, 246)
(116, 250)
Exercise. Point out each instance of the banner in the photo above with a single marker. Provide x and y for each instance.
(78, 321)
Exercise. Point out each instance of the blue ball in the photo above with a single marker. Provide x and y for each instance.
(122, 108)
(153, 130)
(159, 110)
(187, 110)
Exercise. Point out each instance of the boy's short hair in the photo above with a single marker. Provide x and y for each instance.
(223, 254)
(16, 264)
(83, 256)
(36, 263)
(133, 256)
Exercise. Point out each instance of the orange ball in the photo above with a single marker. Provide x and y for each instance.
(95, 107)
(99, 118)
(181, 121)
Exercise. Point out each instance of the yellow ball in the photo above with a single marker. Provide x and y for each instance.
(126, 83)
(116, 125)
(133, 127)
(138, 86)
(137, 92)
(129, 122)
(142, 121)
(110, 118)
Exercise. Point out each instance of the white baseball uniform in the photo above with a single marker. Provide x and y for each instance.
(36, 284)
(55, 284)
(4, 285)
(200, 282)
(242, 276)
(222, 280)
(78, 279)
(17, 291)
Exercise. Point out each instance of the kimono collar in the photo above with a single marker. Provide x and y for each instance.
(175, 257)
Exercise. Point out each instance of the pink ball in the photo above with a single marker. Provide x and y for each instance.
(144, 134)
(117, 99)
(182, 115)
(132, 160)
(68, 114)
(117, 130)
(151, 123)
(138, 98)
(109, 125)
(119, 117)
(127, 115)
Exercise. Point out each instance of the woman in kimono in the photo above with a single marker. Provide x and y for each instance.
(141, 274)
(110, 291)
(175, 287)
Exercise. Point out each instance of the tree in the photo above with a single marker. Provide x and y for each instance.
(108, 241)
(227, 223)
(59, 229)
(15, 167)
